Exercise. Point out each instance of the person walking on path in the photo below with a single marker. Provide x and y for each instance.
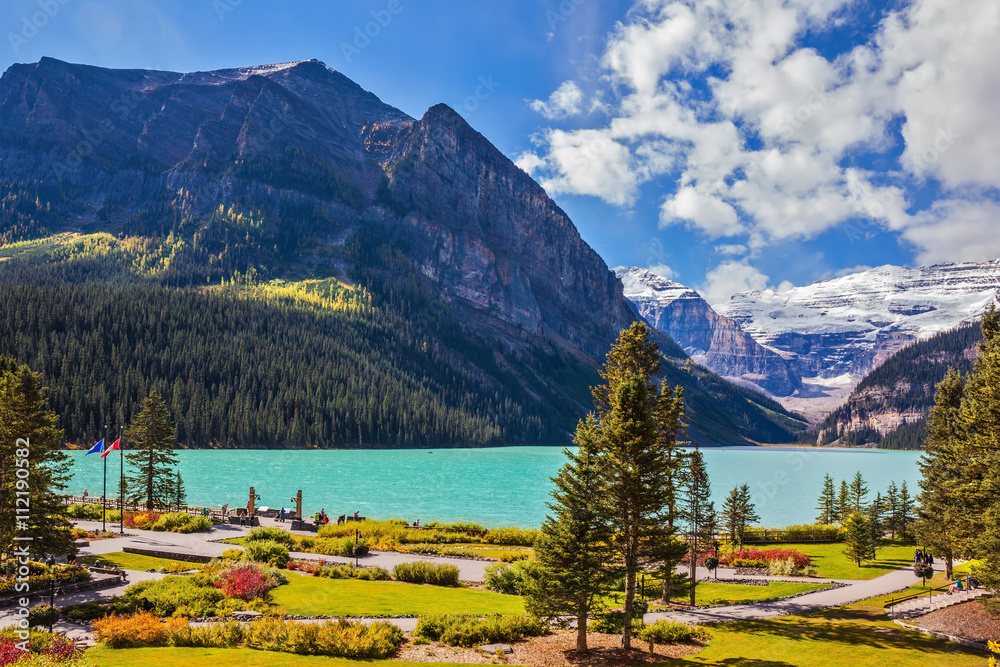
(281, 515)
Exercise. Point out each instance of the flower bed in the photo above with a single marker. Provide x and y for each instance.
(763, 558)
(40, 575)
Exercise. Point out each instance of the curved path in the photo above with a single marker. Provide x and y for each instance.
(473, 570)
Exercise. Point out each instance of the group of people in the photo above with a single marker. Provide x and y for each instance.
(970, 584)
(321, 517)
(922, 557)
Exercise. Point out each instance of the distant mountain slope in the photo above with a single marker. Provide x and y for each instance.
(206, 189)
(850, 325)
(889, 407)
(709, 338)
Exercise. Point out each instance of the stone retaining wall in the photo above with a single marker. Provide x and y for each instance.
(96, 582)
(171, 555)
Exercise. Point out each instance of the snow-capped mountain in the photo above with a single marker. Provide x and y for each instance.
(848, 325)
(708, 338)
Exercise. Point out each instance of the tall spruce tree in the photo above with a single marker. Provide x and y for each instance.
(858, 543)
(151, 455)
(179, 491)
(843, 502)
(738, 512)
(827, 506)
(978, 528)
(892, 508)
(639, 459)
(573, 549)
(699, 511)
(906, 509)
(941, 473)
(28, 433)
(858, 498)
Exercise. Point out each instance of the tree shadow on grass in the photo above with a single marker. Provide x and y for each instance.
(854, 627)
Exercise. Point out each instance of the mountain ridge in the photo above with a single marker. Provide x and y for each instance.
(256, 182)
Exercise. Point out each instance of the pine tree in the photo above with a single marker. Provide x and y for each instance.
(843, 502)
(639, 461)
(858, 497)
(905, 509)
(978, 529)
(827, 503)
(700, 514)
(876, 514)
(892, 508)
(573, 549)
(179, 491)
(941, 473)
(151, 454)
(738, 512)
(858, 544)
(28, 432)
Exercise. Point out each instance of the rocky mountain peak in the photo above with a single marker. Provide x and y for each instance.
(709, 338)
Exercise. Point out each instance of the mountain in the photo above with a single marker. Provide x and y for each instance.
(307, 266)
(889, 407)
(709, 338)
(849, 325)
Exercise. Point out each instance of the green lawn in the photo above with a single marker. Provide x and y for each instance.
(217, 657)
(830, 561)
(311, 596)
(128, 561)
(706, 594)
(853, 636)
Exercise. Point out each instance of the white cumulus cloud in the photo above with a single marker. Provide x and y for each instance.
(563, 102)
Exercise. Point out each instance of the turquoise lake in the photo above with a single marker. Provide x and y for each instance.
(502, 486)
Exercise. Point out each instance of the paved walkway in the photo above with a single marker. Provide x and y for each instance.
(853, 592)
(473, 570)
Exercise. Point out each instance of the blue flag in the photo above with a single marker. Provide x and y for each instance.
(99, 447)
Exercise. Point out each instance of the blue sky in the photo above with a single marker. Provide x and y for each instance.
(730, 144)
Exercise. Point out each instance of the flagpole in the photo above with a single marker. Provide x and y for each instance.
(104, 498)
(121, 488)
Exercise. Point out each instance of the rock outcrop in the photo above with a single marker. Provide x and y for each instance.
(709, 338)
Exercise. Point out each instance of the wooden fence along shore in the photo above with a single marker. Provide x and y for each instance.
(112, 505)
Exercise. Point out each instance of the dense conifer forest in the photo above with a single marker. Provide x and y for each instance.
(905, 382)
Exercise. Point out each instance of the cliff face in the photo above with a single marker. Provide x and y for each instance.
(486, 237)
(709, 338)
(889, 407)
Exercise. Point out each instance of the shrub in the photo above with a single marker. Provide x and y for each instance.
(273, 534)
(343, 547)
(42, 614)
(41, 575)
(84, 511)
(173, 596)
(267, 551)
(131, 631)
(79, 533)
(511, 537)
(339, 639)
(44, 648)
(426, 573)
(471, 631)
(613, 623)
(245, 582)
(754, 557)
(671, 632)
(510, 579)
(306, 543)
(514, 556)
(86, 612)
(373, 573)
(141, 520)
(182, 522)
(425, 549)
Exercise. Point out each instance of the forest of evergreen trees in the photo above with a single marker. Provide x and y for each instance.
(904, 382)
